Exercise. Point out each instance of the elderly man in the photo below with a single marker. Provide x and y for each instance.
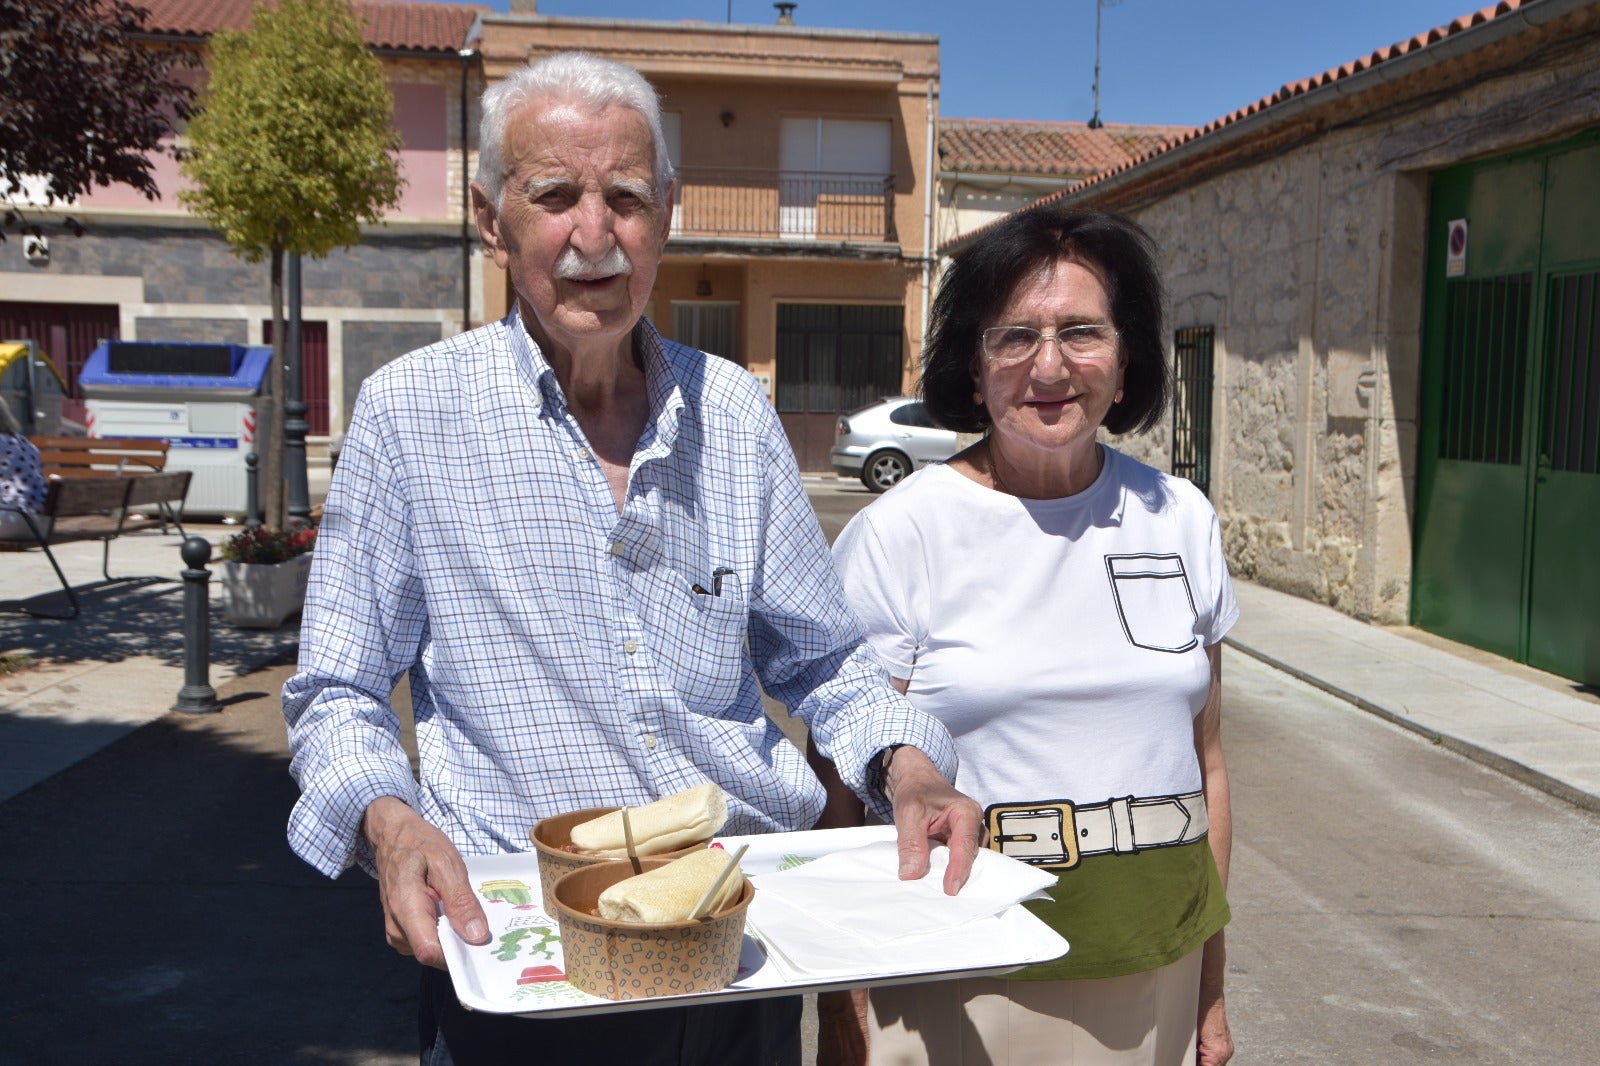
(584, 543)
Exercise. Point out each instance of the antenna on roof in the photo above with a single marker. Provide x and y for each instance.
(1099, 5)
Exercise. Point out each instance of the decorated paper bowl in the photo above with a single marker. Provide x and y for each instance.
(551, 836)
(638, 960)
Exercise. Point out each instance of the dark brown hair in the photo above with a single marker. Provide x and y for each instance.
(982, 281)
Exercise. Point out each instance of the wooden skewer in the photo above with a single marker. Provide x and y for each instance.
(627, 836)
(705, 900)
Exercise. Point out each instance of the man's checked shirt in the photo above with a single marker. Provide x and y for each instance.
(559, 654)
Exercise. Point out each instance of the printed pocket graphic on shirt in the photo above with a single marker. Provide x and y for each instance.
(1154, 601)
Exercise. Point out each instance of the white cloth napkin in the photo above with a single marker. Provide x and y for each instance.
(839, 913)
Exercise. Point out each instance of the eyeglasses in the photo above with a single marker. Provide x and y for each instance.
(1010, 345)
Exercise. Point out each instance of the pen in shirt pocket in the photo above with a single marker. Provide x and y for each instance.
(716, 582)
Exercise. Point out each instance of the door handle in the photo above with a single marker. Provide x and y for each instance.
(1541, 469)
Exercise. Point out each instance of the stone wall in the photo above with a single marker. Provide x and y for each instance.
(369, 345)
(1309, 264)
(195, 330)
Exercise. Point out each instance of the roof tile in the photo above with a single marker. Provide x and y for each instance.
(1055, 149)
(385, 23)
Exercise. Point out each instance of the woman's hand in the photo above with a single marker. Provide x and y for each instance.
(1215, 1039)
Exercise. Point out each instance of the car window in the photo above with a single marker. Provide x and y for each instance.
(912, 414)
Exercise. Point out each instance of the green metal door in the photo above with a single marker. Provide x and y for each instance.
(1508, 494)
(1564, 584)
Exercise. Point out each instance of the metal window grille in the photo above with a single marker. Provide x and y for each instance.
(711, 327)
(837, 357)
(1572, 385)
(1193, 355)
(1485, 369)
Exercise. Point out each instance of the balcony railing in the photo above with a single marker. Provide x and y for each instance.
(788, 205)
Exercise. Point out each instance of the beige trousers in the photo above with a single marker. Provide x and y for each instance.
(1143, 1019)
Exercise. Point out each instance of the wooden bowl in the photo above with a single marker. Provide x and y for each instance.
(550, 837)
(638, 960)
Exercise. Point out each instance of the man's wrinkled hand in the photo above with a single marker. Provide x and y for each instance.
(929, 811)
(420, 871)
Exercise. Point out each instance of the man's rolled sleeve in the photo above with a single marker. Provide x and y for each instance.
(361, 631)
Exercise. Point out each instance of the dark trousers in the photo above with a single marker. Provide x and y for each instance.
(756, 1032)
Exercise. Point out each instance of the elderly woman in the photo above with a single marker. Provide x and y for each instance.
(1060, 607)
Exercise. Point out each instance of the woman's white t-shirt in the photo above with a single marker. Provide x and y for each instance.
(1063, 641)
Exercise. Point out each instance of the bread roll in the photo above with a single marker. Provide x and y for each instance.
(665, 825)
(668, 893)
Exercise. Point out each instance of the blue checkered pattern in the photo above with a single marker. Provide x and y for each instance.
(559, 658)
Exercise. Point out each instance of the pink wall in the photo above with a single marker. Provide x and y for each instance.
(425, 128)
(419, 115)
(164, 169)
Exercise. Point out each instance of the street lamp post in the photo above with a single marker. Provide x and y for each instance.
(295, 426)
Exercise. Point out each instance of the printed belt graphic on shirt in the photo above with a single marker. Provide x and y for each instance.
(1055, 834)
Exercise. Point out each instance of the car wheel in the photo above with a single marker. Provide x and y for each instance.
(883, 470)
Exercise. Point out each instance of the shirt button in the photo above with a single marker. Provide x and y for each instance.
(583, 453)
(630, 646)
(616, 547)
(650, 741)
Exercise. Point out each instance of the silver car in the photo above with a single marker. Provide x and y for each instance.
(883, 442)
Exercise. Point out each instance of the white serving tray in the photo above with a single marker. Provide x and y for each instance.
(520, 969)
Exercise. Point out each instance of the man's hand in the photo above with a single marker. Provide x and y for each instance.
(927, 810)
(418, 870)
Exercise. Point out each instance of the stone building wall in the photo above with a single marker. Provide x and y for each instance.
(1309, 264)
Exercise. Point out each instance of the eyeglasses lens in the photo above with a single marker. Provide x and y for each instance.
(1007, 345)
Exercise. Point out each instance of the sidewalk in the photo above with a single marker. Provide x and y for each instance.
(1541, 729)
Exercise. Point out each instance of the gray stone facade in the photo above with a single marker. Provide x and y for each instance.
(1309, 263)
(196, 330)
(181, 265)
(369, 345)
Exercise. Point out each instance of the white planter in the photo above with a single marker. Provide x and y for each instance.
(262, 595)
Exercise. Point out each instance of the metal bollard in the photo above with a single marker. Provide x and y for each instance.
(197, 696)
(252, 504)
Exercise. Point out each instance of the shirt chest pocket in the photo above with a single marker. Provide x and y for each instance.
(1154, 601)
(704, 641)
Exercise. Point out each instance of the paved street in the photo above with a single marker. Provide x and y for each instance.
(1394, 902)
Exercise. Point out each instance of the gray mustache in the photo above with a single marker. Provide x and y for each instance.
(573, 265)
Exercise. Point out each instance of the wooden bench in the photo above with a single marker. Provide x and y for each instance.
(103, 457)
(96, 507)
(100, 456)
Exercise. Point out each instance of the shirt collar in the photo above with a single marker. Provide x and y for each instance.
(661, 374)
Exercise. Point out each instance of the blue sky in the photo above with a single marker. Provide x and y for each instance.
(1183, 62)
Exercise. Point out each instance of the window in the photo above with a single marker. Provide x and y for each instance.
(913, 414)
(837, 357)
(711, 327)
(1192, 356)
(1572, 389)
(1486, 359)
(838, 165)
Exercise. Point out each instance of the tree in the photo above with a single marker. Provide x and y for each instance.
(82, 101)
(293, 148)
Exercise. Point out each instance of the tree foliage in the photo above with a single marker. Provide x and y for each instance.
(293, 149)
(294, 146)
(82, 100)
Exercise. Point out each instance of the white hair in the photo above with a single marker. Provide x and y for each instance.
(574, 76)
